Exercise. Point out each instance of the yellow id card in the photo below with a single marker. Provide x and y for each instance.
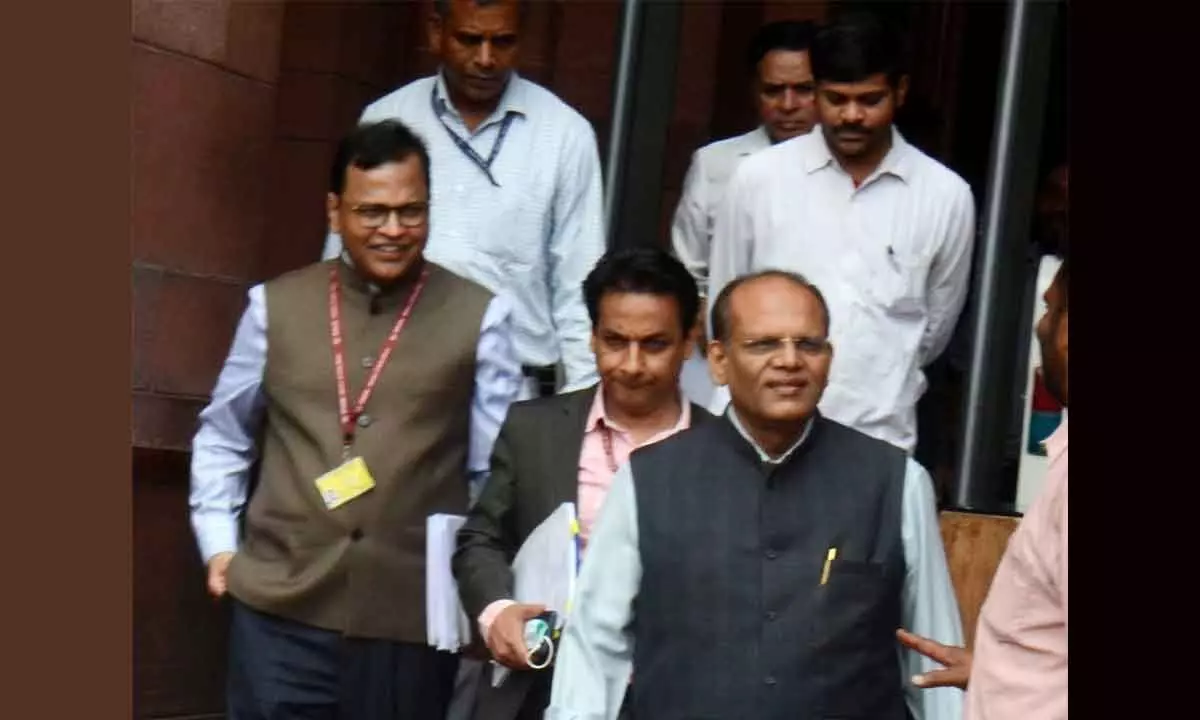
(345, 482)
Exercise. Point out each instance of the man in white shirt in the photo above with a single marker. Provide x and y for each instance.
(783, 96)
(516, 189)
(883, 229)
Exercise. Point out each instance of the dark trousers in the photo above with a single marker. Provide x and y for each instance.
(282, 670)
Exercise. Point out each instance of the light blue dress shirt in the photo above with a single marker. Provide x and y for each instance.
(224, 448)
(536, 236)
(594, 660)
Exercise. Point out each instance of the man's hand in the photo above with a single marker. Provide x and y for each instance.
(218, 567)
(956, 659)
(506, 637)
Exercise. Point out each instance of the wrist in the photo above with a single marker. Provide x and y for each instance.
(490, 613)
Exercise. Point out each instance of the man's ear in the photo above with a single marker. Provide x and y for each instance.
(718, 362)
(433, 33)
(901, 91)
(332, 203)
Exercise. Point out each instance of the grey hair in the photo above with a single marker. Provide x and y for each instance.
(720, 311)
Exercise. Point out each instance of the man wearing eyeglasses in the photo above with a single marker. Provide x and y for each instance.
(369, 388)
(516, 192)
(755, 567)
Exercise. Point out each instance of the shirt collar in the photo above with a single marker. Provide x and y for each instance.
(897, 162)
(513, 100)
(354, 280)
(759, 139)
(763, 455)
(598, 415)
(367, 285)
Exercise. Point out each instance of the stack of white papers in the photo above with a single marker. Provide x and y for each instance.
(446, 624)
(545, 567)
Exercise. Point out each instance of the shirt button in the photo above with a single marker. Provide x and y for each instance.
(769, 680)
(771, 615)
(771, 554)
(364, 420)
(368, 362)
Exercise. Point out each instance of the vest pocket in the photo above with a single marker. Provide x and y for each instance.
(854, 642)
(853, 593)
(856, 574)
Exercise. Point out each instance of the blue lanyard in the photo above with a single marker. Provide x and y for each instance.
(484, 165)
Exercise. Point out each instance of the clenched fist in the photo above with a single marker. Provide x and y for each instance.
(218, 566)
(506, 637)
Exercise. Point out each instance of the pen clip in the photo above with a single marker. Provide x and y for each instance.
(895, 261)
(830, 556)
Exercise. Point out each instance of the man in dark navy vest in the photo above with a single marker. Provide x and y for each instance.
(757, 567)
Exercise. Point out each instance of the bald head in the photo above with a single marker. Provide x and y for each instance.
(722, 322)
(772, 351)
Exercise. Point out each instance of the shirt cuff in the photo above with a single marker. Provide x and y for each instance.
(216, 535)
(488, 616)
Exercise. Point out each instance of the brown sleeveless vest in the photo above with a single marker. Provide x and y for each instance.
(360, 568)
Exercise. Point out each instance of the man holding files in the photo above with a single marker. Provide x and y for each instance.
(757, 566)
(566, 449)
(368, 387)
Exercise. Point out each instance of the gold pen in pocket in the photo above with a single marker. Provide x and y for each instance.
(829, 557)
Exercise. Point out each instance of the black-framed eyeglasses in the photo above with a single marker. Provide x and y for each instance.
(376, 216)
(772, 346)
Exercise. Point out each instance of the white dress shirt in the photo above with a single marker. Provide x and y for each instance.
(891, 257)
(595, 657)
(692, 227)
(703, 187)
(225, 446)
(536, 236)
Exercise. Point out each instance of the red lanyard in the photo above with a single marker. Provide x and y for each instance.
(347, 415)
(606, 435)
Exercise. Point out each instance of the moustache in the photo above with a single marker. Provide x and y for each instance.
(842, 130)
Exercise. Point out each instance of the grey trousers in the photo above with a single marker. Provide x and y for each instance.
(466, 684)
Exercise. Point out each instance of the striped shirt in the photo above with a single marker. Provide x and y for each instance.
(535, 234)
